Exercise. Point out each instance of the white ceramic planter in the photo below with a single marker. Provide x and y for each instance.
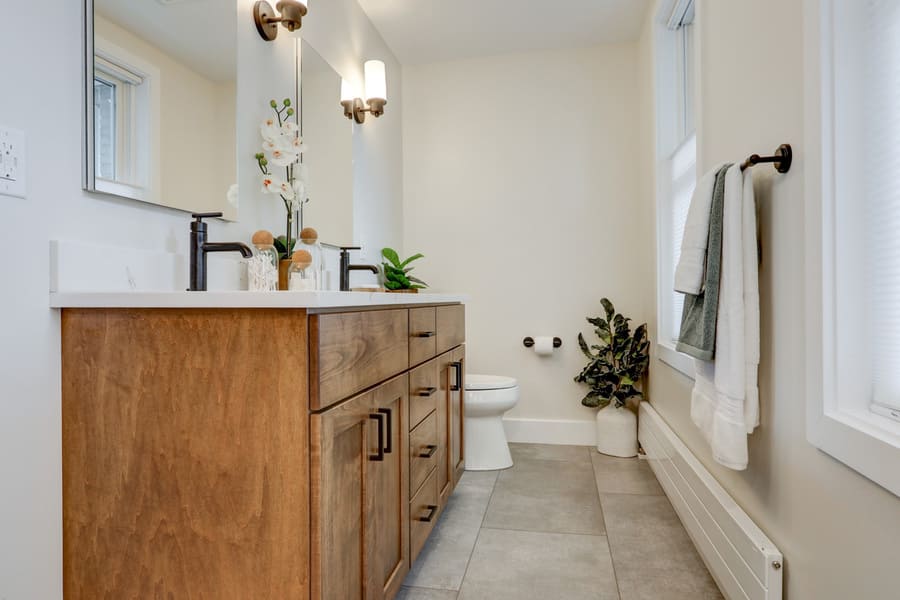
(617, 431)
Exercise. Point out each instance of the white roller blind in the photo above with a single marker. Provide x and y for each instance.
(881, 100)
(684, 179)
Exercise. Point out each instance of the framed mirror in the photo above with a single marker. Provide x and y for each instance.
(328, 137)
(160, 118)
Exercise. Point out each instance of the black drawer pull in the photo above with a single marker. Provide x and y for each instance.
(424, 334)
(390, 436)
(378, 456)
(430, 449)
(425, 392)
(458, 383)
(432, 510)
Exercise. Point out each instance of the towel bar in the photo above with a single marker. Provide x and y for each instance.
(782, 159)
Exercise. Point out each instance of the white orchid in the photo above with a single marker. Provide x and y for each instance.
(283, 158)
(232, 195)
(272, 184)
(282, 147)
(270, 130)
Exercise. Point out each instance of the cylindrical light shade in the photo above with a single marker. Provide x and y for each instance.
(347, 92)
(376, 87)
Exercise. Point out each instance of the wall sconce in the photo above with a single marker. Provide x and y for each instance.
(292, 13)
(376, 94)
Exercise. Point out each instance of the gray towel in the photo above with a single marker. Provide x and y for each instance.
(698, 319)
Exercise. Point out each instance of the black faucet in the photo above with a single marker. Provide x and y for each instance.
(200, 247)
(346, 267)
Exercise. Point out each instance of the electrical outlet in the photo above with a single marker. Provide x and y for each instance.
(12, 162)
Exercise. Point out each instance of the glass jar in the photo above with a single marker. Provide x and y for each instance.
(309, 241)
(301, 275)
(262, 268)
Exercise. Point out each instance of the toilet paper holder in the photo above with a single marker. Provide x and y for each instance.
(529, 342)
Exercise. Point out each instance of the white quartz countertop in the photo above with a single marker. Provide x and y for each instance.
(138, 299)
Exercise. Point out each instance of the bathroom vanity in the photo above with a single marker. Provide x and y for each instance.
(275, 446)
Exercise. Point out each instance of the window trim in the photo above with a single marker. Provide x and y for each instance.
(854, 438)
(148, 182)
(672, 122)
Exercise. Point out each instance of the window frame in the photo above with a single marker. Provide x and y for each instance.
(861, 439)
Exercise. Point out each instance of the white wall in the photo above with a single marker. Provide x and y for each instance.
(41, 94)
(521, 188)
(839, 532)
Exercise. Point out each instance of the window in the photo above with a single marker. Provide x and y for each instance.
(853, 201)
(126, 99)
(676, 163)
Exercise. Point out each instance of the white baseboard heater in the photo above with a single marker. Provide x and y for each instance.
(744, 562)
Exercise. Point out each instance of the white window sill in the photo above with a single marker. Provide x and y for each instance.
(683, 363)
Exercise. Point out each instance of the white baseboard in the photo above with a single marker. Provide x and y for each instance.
(551, 431)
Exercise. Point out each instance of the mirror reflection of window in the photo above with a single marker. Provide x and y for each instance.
(119, 108)
(164, 105)
(104, 128)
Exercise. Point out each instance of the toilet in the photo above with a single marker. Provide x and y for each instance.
(487, 398)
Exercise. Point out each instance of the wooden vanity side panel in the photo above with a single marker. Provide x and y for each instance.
(185, 453)
(353, 351)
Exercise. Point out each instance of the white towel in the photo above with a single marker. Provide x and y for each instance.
(725, 400)
(692, 262)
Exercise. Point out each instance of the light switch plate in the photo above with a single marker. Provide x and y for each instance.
(12, 162)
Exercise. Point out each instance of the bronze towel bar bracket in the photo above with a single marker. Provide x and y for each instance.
(782, 159)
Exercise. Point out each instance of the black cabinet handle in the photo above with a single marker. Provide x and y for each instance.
(427, 391)
(432, 510)
(429, 452)
(378, 456)
(457, 385)
(390, 436)
(424, 334)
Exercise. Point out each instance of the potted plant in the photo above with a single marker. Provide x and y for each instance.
(282, 147)
(396, 273)
(615, 366)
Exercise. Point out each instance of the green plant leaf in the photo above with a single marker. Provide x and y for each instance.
(410, 259)
(609, 308)
(391, 255)
(392, 285)
(584, 347)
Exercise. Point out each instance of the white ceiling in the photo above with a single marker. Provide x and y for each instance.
(199, 33)
(424, 31)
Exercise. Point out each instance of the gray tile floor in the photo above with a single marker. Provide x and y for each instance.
(564, 523)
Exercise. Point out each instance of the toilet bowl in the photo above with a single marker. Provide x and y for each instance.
(487, 398)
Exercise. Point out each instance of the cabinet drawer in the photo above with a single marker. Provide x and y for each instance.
(424, 451)
(423, 512)
(350, 352)
(422, 335)
(424, 391)
(450, 322)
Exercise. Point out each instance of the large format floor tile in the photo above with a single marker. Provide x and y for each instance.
(652, 552)
(525, 565)
(414, 593)
(537, 531)
(443, 561)
(624, 475)
(544, 491)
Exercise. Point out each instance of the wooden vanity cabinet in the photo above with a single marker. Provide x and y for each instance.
(360, 495)
(197, 464)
